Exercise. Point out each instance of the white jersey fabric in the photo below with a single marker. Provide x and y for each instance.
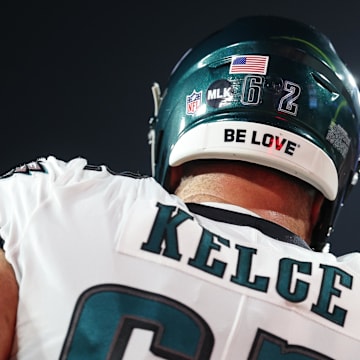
(111, 266)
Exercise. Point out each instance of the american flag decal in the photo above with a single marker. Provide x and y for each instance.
(249, 64)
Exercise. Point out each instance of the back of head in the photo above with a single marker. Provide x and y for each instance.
(270, 91)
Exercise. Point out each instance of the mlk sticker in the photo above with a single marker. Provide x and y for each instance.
(219, 93)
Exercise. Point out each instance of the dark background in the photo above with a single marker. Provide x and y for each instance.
(76, 76)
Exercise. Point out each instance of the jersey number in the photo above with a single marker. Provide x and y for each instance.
(106, 315)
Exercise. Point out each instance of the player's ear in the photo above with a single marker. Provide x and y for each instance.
(175, 175)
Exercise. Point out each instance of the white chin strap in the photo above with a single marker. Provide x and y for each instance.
(156, 92)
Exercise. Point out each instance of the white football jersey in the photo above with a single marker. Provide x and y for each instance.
(111, 266)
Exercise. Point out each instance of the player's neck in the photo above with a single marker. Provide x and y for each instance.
(260, 197)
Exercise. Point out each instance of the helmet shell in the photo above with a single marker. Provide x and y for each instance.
(270, 91)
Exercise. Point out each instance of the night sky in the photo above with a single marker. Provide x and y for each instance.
(75, 79)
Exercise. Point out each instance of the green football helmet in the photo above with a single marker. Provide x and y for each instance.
(265, 90)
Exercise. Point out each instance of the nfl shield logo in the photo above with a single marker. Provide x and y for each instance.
(193, 102)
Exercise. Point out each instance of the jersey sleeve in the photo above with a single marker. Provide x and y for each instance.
(24, 189)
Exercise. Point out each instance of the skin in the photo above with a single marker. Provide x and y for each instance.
(8, 306)
(269, 193)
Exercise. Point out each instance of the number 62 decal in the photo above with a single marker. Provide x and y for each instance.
(287, 103)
